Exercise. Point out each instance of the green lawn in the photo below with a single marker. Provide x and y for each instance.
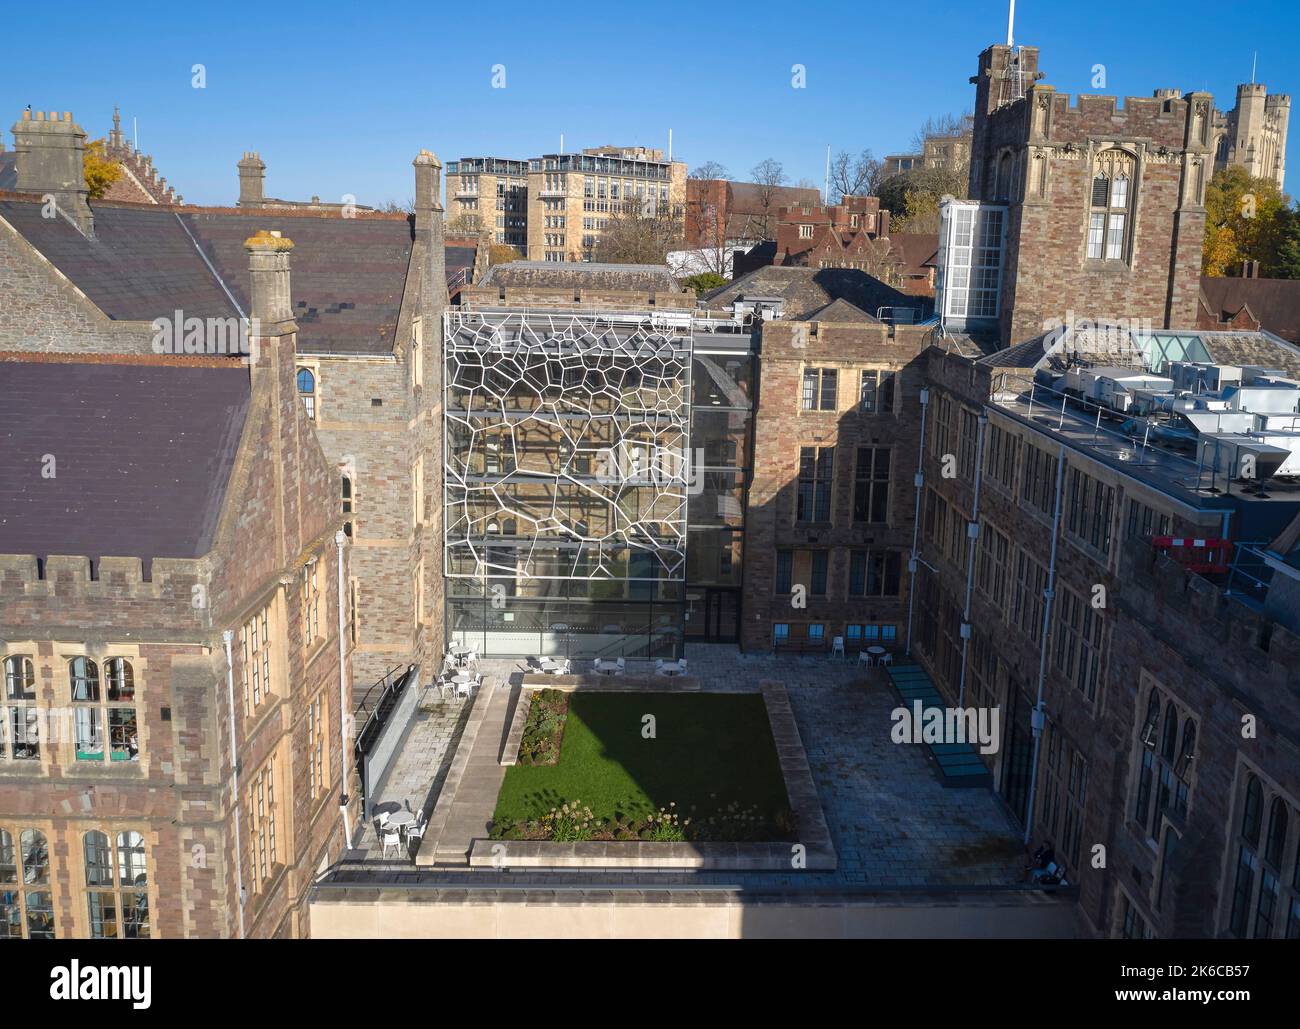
(712, 756)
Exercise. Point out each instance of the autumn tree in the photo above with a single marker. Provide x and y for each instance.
(503, 253)
(1246, 219)
(913, 197)
(100, 171)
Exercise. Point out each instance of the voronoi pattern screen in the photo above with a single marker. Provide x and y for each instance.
(566, 445)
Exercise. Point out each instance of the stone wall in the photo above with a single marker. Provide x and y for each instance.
(782, 427)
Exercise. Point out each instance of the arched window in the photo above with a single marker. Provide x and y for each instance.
(83, 675)
(26, 905)
(1006, 172)
(1277, 825)
(307, 391)
(19, 738)
(20, 678)
(1253, 812)
(1109, 206)
(347, 502)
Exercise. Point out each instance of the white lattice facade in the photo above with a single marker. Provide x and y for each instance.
(566, 482)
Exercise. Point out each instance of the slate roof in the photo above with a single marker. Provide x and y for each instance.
(8, 170)
(348, 274)
(141, 264)
(808, 290)
(649, 278)
(841, 311)
(146, 262)
(143, 456)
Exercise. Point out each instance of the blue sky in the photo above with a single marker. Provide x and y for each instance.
(338, 98)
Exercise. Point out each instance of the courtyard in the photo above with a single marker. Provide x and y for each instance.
(892, 823)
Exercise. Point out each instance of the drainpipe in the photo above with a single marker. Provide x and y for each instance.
(972, 535)
(228, 637)
(1038, 717)
(918, 481)
(339, 539)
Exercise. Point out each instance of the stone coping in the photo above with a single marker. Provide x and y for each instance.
(510, 751)
(426, 855)
(626, 683)
(704, 856)
(812, 851)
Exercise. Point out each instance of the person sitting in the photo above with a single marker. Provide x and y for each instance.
(1043, 856)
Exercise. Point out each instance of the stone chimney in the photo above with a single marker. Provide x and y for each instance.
(51, 161)
(428, 189)
(268, 267)
(252, 180)
(429, 234)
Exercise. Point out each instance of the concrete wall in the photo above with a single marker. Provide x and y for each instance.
(399, 914)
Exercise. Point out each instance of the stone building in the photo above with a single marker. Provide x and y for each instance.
(1104, 204)
(831, 497)
(176, 690)
(556, 206)
(1253, 134)
(1054, 582)
(950, 152)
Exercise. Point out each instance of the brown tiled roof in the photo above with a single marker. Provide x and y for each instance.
(143, 455)
(1274, 302)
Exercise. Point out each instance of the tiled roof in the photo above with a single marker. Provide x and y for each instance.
(806, 290)
(141, 264)
(348, 274)
(582, 275)
(142, 456)
(1275, 302)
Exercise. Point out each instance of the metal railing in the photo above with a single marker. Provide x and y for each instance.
(377, 705)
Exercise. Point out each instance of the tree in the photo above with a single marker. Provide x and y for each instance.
(703, 282)
(710, 170)
(913, 197)
(99, 171)
(639, 234)
(1288, 249)
(768, 174)
(945, 125)
(464, 224)
(396, 207)
(502, 253)
(1246, 219)
(854, 175)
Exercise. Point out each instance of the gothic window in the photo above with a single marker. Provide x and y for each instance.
(1110, 206)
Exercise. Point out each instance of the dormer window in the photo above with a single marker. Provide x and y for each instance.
(1109, 207)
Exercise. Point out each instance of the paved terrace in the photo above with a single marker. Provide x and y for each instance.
(893, 825)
